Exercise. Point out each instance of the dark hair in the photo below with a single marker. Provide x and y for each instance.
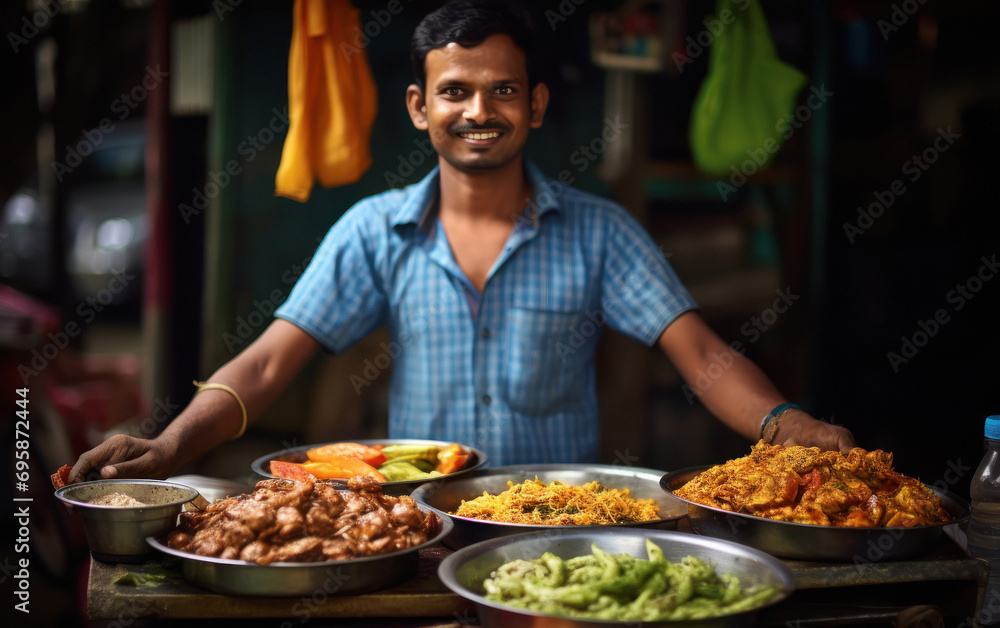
(468, 23)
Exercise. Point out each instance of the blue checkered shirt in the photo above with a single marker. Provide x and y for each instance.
(510, 371)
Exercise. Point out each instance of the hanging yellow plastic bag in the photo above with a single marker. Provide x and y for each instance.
(748, 91)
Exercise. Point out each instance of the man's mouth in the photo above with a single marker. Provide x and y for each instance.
(483, 135)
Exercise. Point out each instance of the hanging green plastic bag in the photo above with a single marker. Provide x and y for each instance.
(748, 91)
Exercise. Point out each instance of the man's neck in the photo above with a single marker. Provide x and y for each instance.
(498, 194)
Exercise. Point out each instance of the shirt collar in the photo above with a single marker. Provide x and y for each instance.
(420, 210)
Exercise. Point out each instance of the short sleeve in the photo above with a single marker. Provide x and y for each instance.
(641, 294)
(339, 298)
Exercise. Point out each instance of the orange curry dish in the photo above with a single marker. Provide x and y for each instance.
(807, 485)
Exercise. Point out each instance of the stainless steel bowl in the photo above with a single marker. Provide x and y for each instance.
(803, 541)
(477, 459)
(117, 534)
(464, 571)
(329, 578)
(445, 496)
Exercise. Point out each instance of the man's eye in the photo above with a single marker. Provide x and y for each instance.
(452, 91)
(505, 91)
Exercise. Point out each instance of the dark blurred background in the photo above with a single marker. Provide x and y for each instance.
(858, 268)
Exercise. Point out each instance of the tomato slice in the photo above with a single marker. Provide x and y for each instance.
(342, 468)
(291, 471)
(61, 477)
(451, 459)
(328, 453)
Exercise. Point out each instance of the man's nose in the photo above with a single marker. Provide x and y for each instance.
(479, 109)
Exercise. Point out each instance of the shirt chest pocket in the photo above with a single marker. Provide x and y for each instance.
(547, 361)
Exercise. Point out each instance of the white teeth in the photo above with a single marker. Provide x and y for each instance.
(481, 136)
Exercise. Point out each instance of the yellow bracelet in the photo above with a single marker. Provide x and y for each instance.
(210, 385)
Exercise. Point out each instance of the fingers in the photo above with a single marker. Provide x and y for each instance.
(88, 460)
(145, 466)
(816, 433)
(846, 441)
(116, 449)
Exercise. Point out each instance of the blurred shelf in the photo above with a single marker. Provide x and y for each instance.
(633, 63)
(682, 170)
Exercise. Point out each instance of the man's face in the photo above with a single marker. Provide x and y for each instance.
(477, 107)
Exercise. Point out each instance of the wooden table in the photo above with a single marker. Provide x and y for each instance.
(421, 596)
(826, 594)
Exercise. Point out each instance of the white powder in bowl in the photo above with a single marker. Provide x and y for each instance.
(116, 499)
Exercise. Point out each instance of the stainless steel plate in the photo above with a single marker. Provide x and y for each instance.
(117, 534)
(814, 542)
(446, 495)
(477, 459)
(464, 571)
(212, 488)
(334, 577)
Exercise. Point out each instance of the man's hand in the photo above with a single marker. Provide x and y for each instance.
(796, 427)
(122, 456)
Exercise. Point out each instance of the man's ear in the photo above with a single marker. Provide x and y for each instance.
(416, 106)
(539, 101)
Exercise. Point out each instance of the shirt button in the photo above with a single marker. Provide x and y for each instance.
(486, 400)
(485, 333)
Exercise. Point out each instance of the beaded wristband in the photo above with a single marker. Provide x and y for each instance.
(210, 385)
(773, 415)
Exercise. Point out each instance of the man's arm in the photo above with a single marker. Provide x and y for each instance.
(741, 395)
(258, 374)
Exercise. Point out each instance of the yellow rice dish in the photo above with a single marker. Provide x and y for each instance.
(555, 503)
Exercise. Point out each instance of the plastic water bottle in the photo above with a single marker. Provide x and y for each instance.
(984, 526)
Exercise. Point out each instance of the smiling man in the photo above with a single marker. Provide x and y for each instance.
(485, 284)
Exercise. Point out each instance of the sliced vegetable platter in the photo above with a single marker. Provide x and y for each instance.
(400, 465)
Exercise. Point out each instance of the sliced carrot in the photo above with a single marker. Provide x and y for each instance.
(343, 468)
(451, 459)
(326, 453)
(291, 471)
